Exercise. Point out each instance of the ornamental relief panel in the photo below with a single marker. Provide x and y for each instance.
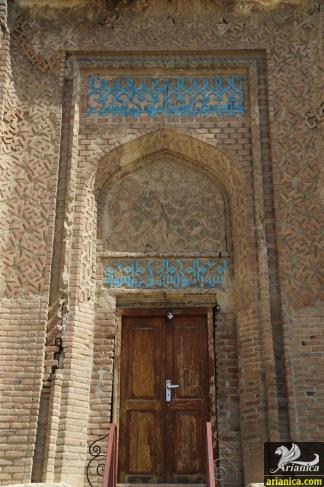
(131, 96)
(167, 206)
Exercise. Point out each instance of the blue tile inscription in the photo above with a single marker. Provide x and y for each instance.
(162, 273)
(133, 96)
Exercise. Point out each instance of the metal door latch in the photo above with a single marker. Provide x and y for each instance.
(168, 390)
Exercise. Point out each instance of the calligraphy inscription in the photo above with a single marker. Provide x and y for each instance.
(131, 96)
(161, 273)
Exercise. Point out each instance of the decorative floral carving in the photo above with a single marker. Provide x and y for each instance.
(165, 206)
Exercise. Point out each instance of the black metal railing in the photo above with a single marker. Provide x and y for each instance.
(103, 461)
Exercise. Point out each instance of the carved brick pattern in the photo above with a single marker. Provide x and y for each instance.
(34, 51)
(26, 251)
(3, 18)
(11, 117)
(29, 147)
(88, 249)
(164, 207)
(29, 143)
(10, 122)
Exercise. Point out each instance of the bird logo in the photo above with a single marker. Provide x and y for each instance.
(290, 457)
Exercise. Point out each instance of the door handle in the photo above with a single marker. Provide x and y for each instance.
(168, 390)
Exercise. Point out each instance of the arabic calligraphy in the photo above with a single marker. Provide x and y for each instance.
(131, 96)
(161, 273)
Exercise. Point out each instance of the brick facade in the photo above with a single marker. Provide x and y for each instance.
(60, 326)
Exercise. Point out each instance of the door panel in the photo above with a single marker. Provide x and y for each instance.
(186, 449)
(142, 367)
(144, 442)
(187, 413)
(186, 360)
(141, 416)
(163, 441)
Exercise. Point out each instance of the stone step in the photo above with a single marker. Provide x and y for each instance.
(176, 485)
(161, 485)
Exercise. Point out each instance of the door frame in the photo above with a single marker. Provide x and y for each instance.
(161, 311)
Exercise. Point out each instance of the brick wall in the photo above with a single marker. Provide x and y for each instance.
(54, 166)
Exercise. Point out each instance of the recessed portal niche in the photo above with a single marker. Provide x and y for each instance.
(165, 205)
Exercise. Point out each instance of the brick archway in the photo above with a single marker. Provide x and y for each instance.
(92, 314)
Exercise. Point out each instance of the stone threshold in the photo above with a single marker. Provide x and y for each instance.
(161, 485)
(40, 484)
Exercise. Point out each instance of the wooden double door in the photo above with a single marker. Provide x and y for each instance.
(162, 428)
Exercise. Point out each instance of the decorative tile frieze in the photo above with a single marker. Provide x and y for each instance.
(133, 96)
(163, 273)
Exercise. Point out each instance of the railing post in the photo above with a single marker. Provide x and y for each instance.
(210, 471)
(110, 471)
(115, 460)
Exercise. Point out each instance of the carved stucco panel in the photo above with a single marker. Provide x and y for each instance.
(166, 206)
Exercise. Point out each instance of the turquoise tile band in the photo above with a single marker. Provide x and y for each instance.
(131, 96)
(162, 273)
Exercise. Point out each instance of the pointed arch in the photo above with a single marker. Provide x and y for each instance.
(210, 159)
(208, 156)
